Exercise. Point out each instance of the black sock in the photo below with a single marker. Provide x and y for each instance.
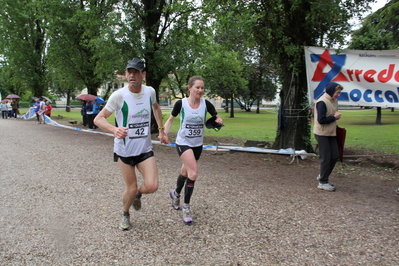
(126, 214)
(180, 183)
(188, 190)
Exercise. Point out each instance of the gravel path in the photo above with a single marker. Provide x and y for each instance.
(61, 201)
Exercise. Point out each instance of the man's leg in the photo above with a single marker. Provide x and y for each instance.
(148, 168)
(129, 175)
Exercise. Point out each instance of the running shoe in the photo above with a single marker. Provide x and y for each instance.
(326, 186)
(125, 223)
(319, 177)
(175, 199)
(397, 190)
(187, 218)
(137, 203)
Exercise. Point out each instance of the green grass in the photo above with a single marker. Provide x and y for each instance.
(362, 132)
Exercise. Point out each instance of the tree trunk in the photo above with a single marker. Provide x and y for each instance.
(154, 81)
(108, 91)
(68, 103)
(296, 133)
(232, 106)
(378, 119)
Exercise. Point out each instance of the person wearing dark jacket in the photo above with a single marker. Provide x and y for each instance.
(326, 115)
(89, 114)
(15, 107)
(83, 113)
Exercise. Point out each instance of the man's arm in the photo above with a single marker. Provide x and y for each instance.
(101, 122)
(158, 117)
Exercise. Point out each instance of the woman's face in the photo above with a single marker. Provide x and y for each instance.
(337, 93)
(197, 90)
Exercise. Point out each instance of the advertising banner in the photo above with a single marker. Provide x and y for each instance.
(370, 78)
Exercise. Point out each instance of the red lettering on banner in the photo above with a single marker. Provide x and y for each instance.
(354, 72)
(385, 75)
(372, 75)
(368, 75)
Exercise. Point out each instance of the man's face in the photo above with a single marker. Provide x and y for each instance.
(134, 77)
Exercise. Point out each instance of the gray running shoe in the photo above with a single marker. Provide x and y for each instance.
(125, 223)
(187, 218)
(137, 203)
(175, 200)
(319, 177)
(326, 186)
(397, 191)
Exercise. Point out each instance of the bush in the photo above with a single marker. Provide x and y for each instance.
(25, 104)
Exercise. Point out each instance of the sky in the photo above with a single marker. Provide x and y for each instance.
(374, 7)
(378, 5)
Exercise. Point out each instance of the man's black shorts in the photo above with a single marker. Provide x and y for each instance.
(133, 160)
(182, 148)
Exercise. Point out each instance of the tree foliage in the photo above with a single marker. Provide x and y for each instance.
(262, 84)
(82, 44)
(284, 27)
(222, 72)
(153, 26)
(237, 45)
(379, 30)
(22, 47)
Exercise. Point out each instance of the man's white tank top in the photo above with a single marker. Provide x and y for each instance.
(135, 114)
(191, 132)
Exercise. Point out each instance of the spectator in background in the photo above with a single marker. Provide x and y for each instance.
(83, 113)
(96, 110)
(36, 105)
(325, 130)
(42, 110)
(89, 114)
(48, 108)
(4, 110)
(9, 107)
(14, 106)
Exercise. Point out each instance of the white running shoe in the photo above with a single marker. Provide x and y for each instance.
(187, 218)
(326, 186)
(175, 199)
(125, 223)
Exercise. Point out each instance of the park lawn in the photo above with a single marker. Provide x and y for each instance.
(362, 132)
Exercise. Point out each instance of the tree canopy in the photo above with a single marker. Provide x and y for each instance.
(244, 49)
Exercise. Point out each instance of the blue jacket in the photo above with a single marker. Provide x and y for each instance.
(96, 108)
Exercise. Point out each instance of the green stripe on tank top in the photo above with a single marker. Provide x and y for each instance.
(125, 115)
(182, 114)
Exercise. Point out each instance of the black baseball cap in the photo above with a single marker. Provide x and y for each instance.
(136, 63)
